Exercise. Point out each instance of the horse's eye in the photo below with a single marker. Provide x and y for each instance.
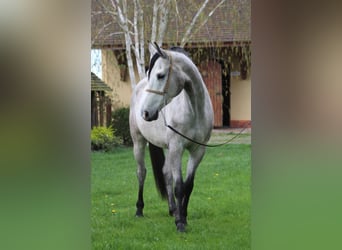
(160, 76)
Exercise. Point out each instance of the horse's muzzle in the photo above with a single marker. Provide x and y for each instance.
(147, 116)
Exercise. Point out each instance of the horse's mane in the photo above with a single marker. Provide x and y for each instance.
(157, 55)
(180, 50)
(152, 62)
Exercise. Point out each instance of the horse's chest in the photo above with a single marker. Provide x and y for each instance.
(154, 131)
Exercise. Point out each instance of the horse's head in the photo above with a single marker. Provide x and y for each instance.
(164, 83)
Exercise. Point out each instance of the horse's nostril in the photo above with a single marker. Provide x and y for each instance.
(149, 116)
(145, 115)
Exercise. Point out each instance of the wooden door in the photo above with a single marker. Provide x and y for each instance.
(212, 75)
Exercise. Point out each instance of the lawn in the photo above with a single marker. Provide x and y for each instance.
(218, 213)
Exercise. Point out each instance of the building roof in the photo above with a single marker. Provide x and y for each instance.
(228, 24)
(97, 84)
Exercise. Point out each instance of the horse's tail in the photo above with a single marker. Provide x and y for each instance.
(158, 159)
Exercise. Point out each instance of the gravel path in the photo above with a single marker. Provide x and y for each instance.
(222, 135)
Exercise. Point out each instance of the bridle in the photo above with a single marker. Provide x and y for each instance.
(166, 87)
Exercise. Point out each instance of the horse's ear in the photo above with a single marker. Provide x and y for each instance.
(154, 48)
(160, 51)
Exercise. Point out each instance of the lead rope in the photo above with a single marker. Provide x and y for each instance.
(207, 145)
(200, 143)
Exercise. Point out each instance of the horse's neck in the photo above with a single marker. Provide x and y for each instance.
(195, 89)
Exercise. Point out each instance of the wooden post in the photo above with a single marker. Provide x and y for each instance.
(101, 107)
(93, 107)
(108, 111)
(96, 110)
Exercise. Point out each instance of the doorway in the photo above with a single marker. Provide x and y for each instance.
(216, 75)
(225, 94)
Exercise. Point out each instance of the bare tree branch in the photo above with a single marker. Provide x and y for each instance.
(206, 19)
(154, 21)
(106, 9)
(100, 31)
(135, 27)
(212, 12)
(187, 37)
(164, 17)
(115, 33)
(137, 47)
(142, 40)
(192, 24)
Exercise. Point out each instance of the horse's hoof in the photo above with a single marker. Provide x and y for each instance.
(139, 215)
(181, 227)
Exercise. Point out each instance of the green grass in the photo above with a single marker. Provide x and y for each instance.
(218, 213)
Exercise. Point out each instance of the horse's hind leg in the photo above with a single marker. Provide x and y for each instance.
(139, 155)
(193, 162)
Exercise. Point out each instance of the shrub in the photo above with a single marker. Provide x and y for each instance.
(103, 138)
(120, 123)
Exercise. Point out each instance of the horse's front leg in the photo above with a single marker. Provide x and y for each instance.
(139, 155)
(167, 171)
(174, 162)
